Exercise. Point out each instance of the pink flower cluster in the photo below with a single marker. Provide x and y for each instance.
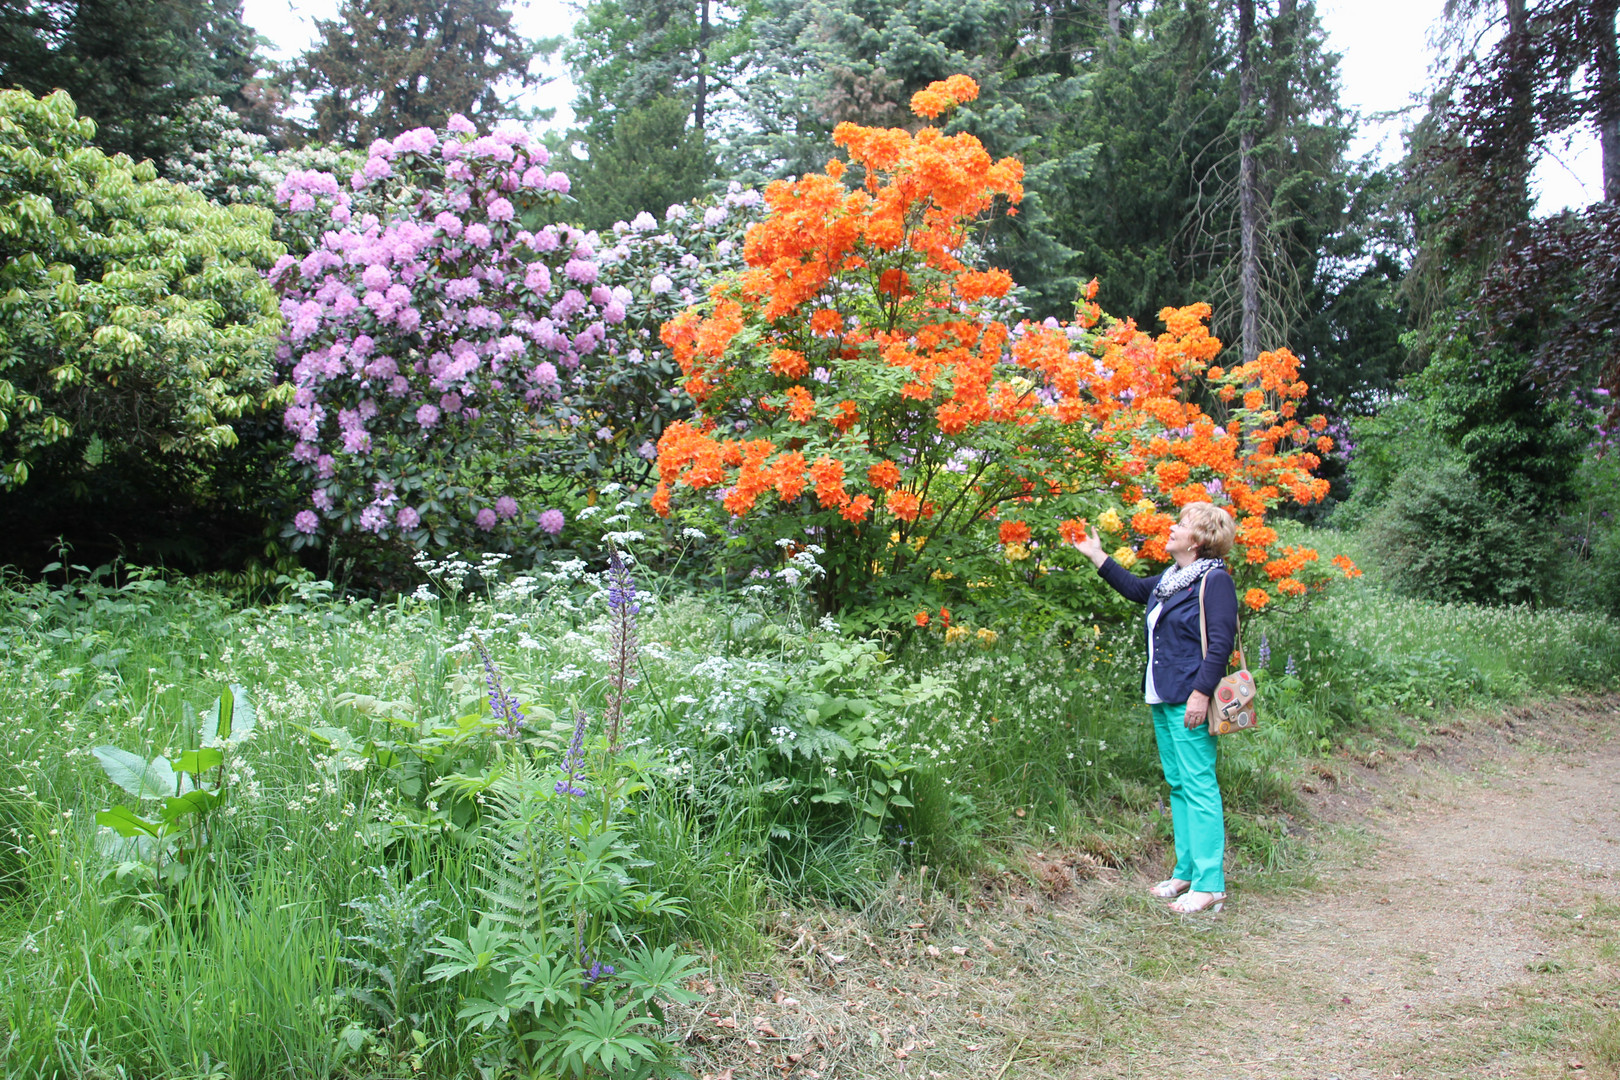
(423, 311)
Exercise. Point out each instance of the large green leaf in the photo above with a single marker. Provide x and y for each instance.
(230, 717)
(192, 802)
(335, 737)
(125, 822)
(244, 717)
(143, 779)
(217, 717)
(197, 762)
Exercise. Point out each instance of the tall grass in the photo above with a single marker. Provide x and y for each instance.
(237, 971)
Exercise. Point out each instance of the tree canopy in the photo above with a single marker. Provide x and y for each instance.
(386, 66)
(132, 66)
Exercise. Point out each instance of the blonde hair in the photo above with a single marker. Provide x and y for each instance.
(1213, 529)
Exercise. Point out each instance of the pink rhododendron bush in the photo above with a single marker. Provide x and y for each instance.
(458, 369)
(428, 329)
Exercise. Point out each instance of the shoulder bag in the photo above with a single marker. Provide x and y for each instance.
(1232, 707)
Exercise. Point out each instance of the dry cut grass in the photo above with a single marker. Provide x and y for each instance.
(1463, 921)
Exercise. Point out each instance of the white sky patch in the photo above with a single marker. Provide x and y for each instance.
(1384, 68)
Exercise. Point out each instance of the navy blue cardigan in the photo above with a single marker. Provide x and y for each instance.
(1179, 666)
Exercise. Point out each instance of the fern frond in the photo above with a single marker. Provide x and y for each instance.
(520, 847)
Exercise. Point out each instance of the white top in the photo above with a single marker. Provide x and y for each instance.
(1153, 697)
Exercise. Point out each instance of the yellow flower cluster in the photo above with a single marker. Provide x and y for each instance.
(984, 636)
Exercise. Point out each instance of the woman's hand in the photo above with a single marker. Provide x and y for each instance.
(1091, 548)
(1197, 709)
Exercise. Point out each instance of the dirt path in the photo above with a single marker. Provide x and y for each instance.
(1429, 955)
(1464, 921)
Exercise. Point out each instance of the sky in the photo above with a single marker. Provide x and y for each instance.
(1384, 47)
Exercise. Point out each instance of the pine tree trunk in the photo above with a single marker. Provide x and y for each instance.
(1113, 22)
(1248, 186)
(1607, 61)
(702, 69)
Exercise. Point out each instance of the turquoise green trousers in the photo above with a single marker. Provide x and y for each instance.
(1188, 757)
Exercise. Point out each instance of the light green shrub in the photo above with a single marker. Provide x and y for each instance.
(135, 322)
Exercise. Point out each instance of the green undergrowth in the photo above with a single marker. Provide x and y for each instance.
(777, 759)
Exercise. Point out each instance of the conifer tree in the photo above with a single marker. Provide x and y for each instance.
(1160, 218)
(628, 54)
(650, 159)
(815, 65)
(385, 66)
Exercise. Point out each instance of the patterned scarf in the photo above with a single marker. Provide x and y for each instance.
(1179, 577)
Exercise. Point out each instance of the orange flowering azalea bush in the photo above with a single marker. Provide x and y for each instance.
(863, 384)
(1182, 428)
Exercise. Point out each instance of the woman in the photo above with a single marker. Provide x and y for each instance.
(1180, 678)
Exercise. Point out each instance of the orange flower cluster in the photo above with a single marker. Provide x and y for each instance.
(941, 97)
(1014, 532)
(922, 194)
(1348, 568)
(865, 287)
(884, 475)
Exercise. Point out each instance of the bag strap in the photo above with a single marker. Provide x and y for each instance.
(1203, 626)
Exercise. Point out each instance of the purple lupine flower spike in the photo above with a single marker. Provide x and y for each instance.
(503, 706)
(1289, 668)
(573, 780)
(623, 608)
(621, 587)
(1265, 650)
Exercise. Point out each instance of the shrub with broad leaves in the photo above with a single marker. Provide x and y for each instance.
(136, 329)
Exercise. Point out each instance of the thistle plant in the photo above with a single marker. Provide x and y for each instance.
(397, 925)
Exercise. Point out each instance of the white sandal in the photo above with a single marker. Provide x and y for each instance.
(1210, 902)
(1169, 889)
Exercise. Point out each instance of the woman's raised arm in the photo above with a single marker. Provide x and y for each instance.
(1135, 589)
